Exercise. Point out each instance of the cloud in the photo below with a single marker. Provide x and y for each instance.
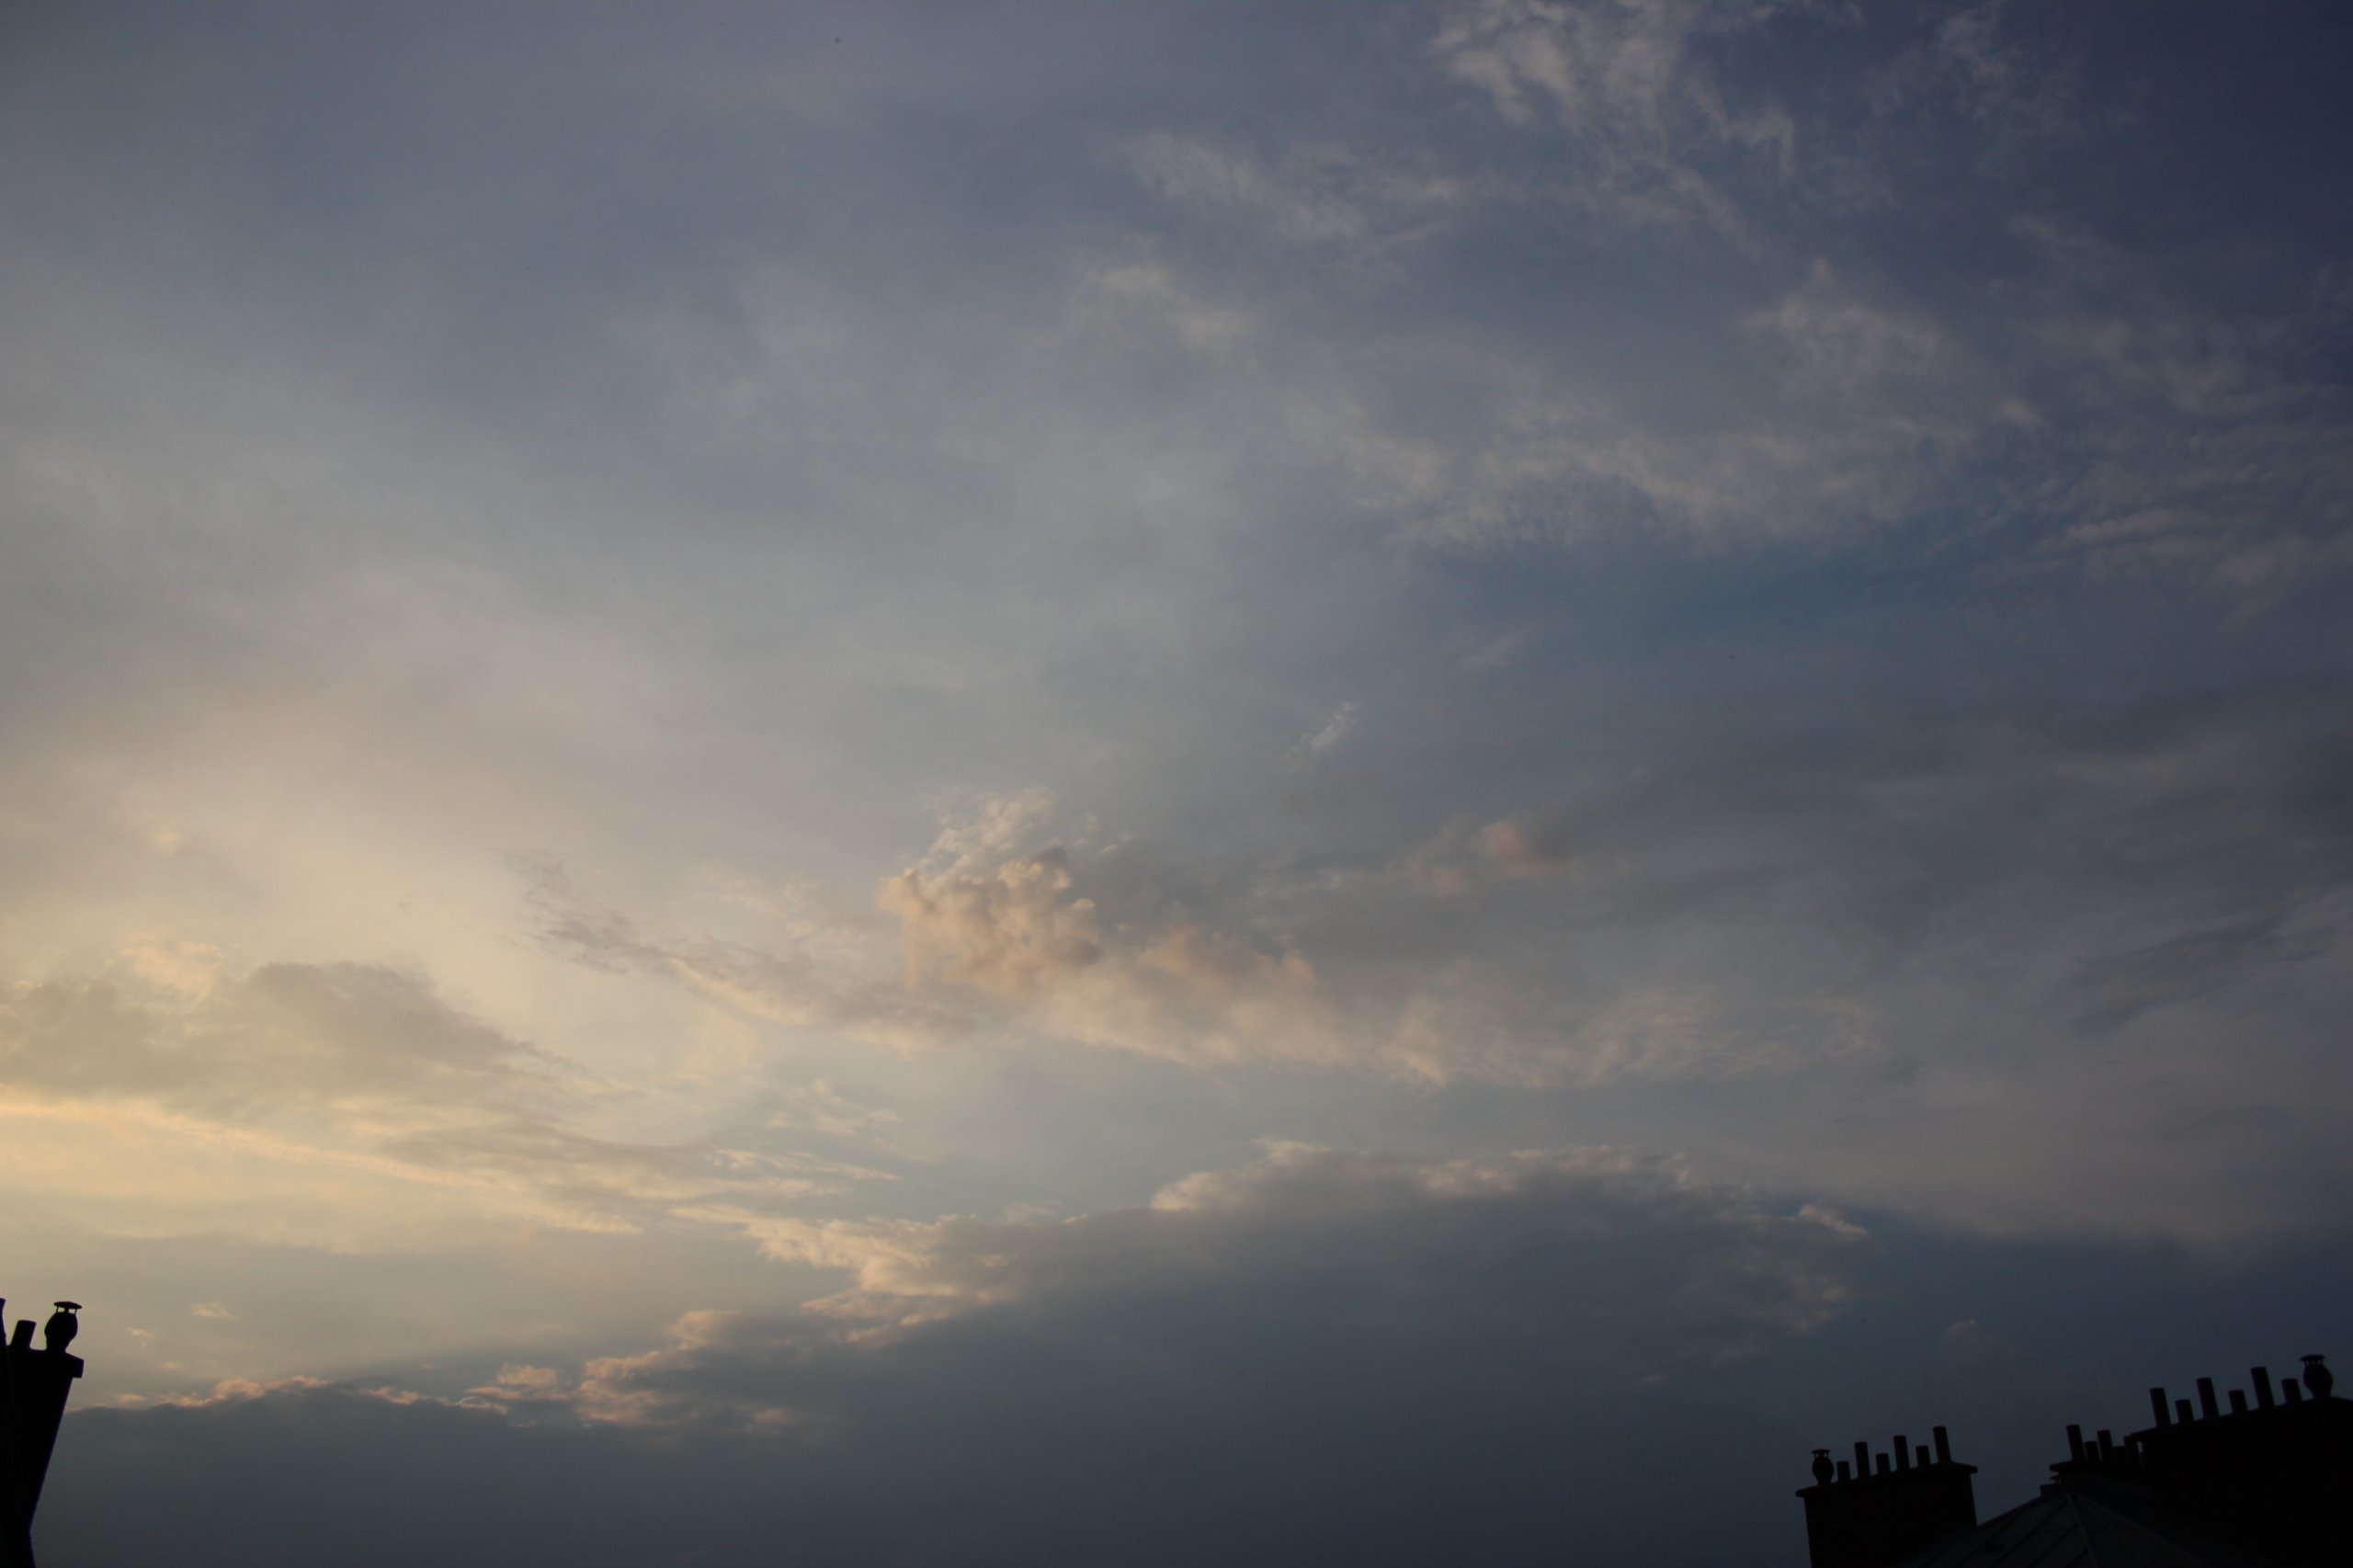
(1326, 198)
(2168, 812)
(1306, 1215)
(2117, 987)
(820, 1107)
(1011, 930)
(996, 939)
(778, 983)
(1743, 908)
(184, 1028)
(1150, 302)
(1658, 1269)
(1850, 349)
(1649, 124)
(1317, 742)
(1018, 932)
(347, 1106)
(1217, 1375)
(2198, 446)
(960, 419)
(2018, 97)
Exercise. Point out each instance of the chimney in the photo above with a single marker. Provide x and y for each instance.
(34, 1385)
(2262, 1480)
(1877, 1518)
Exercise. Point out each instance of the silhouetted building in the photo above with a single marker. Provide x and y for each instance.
(2255, 1485)
(34, 1384)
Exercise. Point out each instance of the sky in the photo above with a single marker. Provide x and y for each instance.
(1083, 783)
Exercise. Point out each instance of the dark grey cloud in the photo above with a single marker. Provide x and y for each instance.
(1324, 1356)
(2167, 809)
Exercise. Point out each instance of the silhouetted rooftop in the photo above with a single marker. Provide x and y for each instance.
(2073, 1527)
(2214, 1484)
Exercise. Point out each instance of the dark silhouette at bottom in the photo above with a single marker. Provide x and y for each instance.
(34, 1385)
(2257, 1485)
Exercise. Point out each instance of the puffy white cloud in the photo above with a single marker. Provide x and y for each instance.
(1012, 929)
(1020, 933)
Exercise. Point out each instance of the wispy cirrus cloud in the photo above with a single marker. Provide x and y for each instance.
(343, 1105)
(1651, 122)
(1320, 198)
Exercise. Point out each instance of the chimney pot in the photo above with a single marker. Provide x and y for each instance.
(1944, 1445)
(2157, 1403)
(1902, 1452)
(2074, 1442)
(2238, 1401)
(1846, 1471)
(2261, 1378)
(2181, 1411)
(2206, 1406)
(1884, 1468)
(2295, 1394)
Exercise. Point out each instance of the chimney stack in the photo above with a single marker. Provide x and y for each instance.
(34, 1386)
(2262, 1477)
(2262, 1482)
(1873, 1518)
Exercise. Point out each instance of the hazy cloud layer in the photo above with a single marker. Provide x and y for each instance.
(618, 627)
